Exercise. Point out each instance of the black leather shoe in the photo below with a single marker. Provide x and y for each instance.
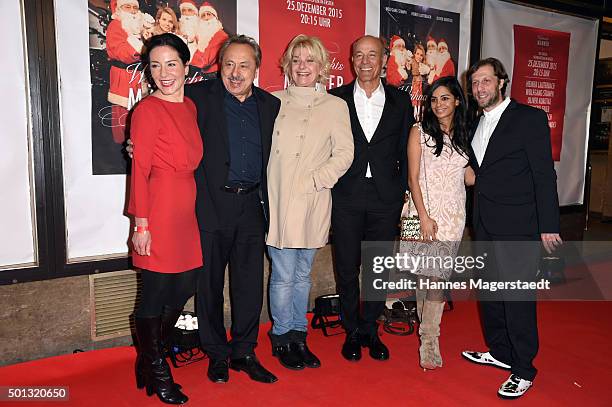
(288, 357)
(351, 350)
(309, 358)
(253, 368)
(378, 350)
(218, 371)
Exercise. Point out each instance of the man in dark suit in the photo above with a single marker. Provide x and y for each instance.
(236, 120)
(367, 200)
(515, 207)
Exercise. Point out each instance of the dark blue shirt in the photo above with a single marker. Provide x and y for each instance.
(244, 141)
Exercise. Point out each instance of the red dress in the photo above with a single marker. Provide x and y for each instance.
(167, 150)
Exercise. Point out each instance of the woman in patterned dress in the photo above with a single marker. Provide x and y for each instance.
(437, 174)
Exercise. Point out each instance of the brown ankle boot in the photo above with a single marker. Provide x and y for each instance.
(429, 331)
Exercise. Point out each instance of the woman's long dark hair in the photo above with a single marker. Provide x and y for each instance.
(459, 126)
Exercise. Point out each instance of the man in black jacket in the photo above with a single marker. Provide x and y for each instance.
(368, 198)
(236, 120)
(515, 207)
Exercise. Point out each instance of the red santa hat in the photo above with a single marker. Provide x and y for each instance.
(185, 4)
(443, 41)
(395, 40)
(115, 4)
(206, 6)
(430, 39)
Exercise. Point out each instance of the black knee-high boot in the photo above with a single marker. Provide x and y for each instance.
(157, 375)
(168, 321)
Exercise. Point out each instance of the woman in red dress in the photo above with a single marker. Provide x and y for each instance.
(167, 149)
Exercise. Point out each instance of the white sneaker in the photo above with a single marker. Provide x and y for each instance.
(514, 387)
(484, 358)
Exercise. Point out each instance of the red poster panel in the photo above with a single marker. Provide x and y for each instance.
(540, 75)
(336, 22)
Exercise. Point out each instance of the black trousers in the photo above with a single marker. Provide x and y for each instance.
(509, 317)
(239, 242)
(161, 290)
(362, 218)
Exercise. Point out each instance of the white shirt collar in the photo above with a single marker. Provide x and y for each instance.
(497, 110)
(358, 90)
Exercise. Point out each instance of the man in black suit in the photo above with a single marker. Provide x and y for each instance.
(515, 207)
(236, 120)
(367, 200)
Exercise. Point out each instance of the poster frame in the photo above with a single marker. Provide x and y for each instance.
(39, 24)
(586, 13)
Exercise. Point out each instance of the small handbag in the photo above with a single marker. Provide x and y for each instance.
(410, 225)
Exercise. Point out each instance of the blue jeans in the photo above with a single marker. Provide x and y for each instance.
(289, 288)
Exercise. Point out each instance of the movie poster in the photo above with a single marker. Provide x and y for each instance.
(117, 31)
(539, 76)
(336, 22)
(423, 46)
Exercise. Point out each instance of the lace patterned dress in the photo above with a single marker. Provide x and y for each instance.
(442, 185)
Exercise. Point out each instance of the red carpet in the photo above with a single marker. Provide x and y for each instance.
(575, 364)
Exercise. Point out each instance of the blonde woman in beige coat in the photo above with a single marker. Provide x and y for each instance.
(312, 146)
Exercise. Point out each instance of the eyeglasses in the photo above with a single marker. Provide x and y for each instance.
(485, 81)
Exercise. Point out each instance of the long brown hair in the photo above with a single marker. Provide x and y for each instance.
(157, 29)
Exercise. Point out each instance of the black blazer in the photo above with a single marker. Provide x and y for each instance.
(211, 174)
(516, 185)
(386, 151)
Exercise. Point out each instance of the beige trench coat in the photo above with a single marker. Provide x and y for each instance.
(312, 146)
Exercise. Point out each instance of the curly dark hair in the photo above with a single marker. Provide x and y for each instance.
(459, 127)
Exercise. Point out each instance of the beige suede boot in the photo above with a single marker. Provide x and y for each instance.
(420, 300)
(429, 331)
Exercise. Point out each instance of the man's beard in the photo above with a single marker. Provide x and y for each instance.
(189, 26)
(206, 30)
(443, 57)
(431, 57)
(131, 23)
(493, 101)
(400, 55)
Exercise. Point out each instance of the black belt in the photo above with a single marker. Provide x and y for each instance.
(123, 65)
(241, 190)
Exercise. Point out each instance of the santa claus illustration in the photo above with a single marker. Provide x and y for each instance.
(123, 47)
(188, 23)
(210, 37)
(445, 66)
(431, 58)
(399, 61)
